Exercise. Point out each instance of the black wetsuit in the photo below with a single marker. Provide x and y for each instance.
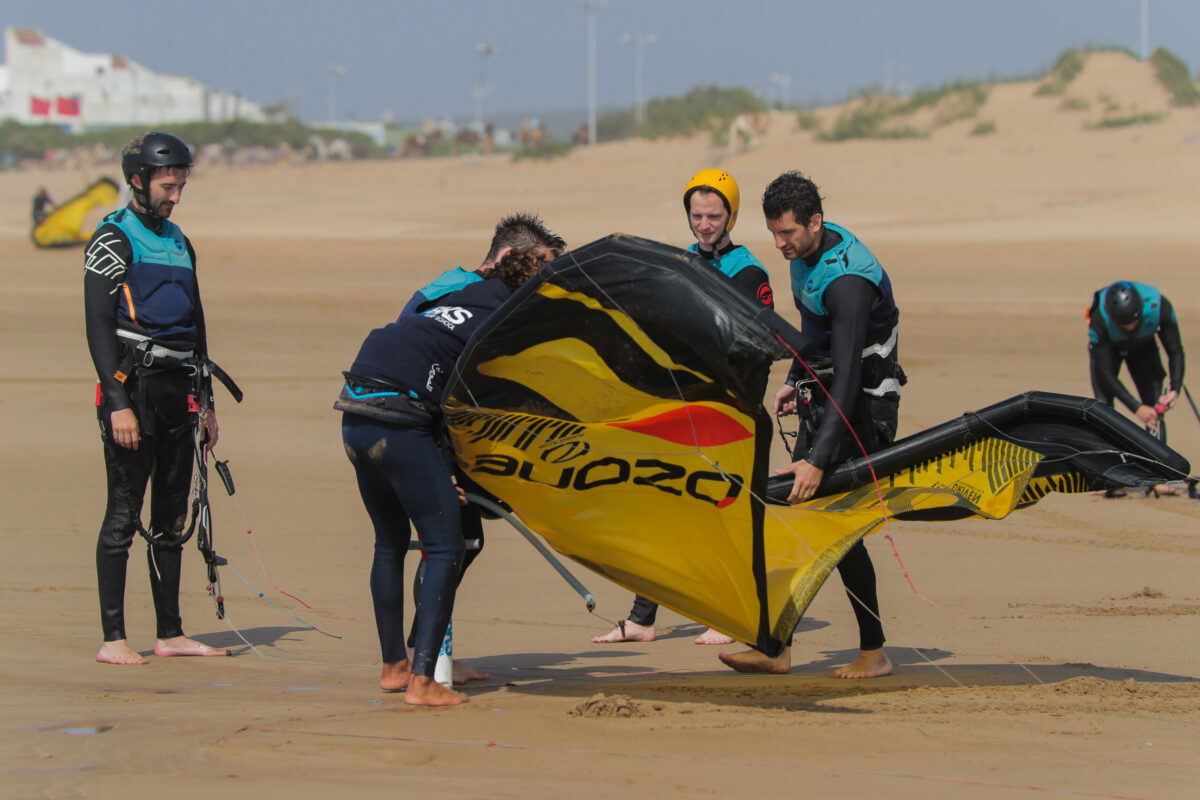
(753, 279)
(855, 317)
(158, 398)
(1109, 347)
(402, 474)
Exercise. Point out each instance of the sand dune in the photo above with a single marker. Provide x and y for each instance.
(1055, 651)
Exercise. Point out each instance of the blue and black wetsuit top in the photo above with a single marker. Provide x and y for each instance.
(1108, 345)
(449, 281)
(140, 277)
(737, 263)
(847, 308)
(418, 351)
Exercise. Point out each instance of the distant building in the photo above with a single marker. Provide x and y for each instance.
(45, 81)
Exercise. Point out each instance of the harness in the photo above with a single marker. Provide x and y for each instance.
(384, 401)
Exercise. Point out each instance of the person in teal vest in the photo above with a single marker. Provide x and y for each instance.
(1123, 322)
(847, 396)
(141, 298)
(711, 200)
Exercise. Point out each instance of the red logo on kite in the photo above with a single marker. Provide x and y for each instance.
(702, 426)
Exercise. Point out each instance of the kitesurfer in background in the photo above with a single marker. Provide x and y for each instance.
(144, 320)
(391, 428)
(711, 200)
(847, 308)
(42, 206)
(1123, 320)
(520, 231)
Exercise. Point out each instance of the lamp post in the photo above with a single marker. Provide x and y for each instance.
(785, 84)
(639, 42)
(335, 72)
(481, 87)
(591, 7)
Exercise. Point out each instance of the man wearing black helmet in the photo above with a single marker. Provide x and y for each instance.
(141, 296)
(1123, 320)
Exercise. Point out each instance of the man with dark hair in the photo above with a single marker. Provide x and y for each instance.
(847, 308)
(145, 325)
(519, 231)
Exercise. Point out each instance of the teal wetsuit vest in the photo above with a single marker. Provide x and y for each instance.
(158, 296)
(733, 262)
(881, 372)
(449, 281)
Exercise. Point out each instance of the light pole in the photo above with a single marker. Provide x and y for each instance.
(639, 43)
(785, 84)
(335, 72)
(591, 7)
(481, 87)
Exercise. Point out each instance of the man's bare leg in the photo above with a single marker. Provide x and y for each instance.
(869, 664)
(757, 661)
(119, 652)
(395, 675)
(712, 636)
(423, 691)
(626, 631)
(464, 674)
(183, 646)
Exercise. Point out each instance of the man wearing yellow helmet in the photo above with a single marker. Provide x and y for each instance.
(711, 200)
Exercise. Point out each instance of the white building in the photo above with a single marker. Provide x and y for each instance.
(45, 81)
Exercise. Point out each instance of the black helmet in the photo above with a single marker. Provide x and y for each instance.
(1123, 304)
(148, 151)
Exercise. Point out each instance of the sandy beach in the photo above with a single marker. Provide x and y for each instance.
(1053, 652)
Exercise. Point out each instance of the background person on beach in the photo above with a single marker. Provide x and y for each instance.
(1123, 320)
(711, 200)
(519, 231)
(140, 287)
(846, 306)
(391, 430)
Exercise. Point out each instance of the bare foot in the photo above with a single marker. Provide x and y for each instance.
(713, 636)
(464, 674)
(626, 631)
(183, 646)
(119, 652)
(869, 664)
(757, 661)
(423, 691)
(395, 675)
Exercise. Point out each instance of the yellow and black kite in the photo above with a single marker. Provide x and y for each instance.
(614, 403)
(64, 226)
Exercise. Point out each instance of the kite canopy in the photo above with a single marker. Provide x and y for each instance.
(615, 404)
(63, 227)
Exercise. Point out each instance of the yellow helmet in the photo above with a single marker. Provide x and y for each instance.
(721, 182)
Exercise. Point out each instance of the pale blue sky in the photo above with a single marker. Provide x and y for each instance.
(417, 57)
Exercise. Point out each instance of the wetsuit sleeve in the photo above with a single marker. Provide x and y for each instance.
(1104, 364)
(105, 260)
(849, 300)
(757, 284)
(1168, 334)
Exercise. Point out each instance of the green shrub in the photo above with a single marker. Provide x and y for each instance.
(1066, 68)
(807, 120)
(1172, 73)
(1132, 119)
(983, 128)
(1074, 104)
